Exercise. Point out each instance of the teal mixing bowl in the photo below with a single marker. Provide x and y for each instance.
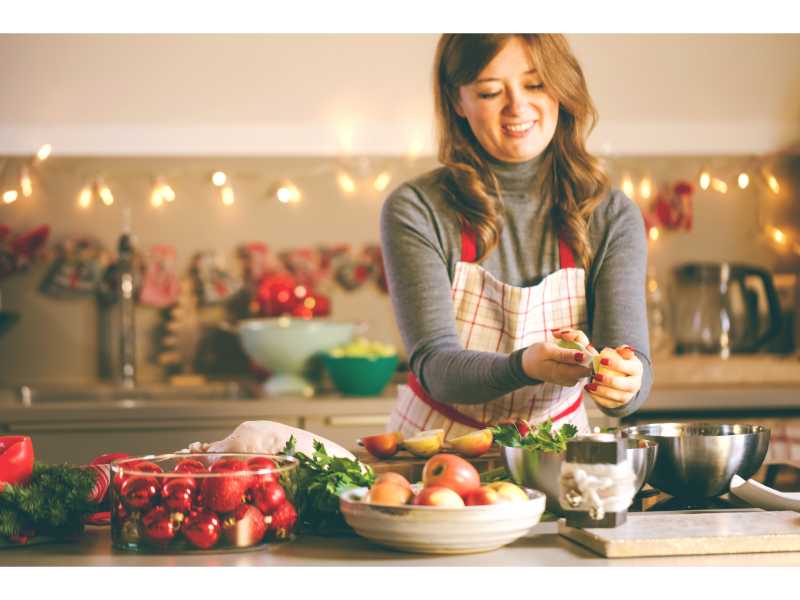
(361, 376)
(291, 349)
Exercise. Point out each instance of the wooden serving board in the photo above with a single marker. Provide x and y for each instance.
(410, 467)
(687, 534)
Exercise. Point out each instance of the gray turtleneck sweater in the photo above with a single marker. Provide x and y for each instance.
(421, 240)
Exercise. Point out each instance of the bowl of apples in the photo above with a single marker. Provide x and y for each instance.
(361, 368)
(449, 513)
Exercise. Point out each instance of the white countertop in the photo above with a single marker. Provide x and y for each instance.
(541, 547)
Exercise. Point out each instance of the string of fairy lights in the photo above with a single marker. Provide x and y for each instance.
(349, 173)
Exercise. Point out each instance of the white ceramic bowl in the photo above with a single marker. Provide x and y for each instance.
(438, 530)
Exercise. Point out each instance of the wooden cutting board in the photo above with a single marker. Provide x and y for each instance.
(410, 467)
(687, 534)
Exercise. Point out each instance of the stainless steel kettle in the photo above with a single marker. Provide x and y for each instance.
(717, 308)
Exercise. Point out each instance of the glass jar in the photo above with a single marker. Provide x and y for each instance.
(210, 502)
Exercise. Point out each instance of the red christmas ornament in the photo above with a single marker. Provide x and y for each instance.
(16, 460)
(260, 463)
(201, 528)
(224, 493)
(190, 466)
(276, 295)
(281, 523)
(268, 497)
(245, 526)
(139, 493)
(123, 473)
(231, 464)
(179, 494)
(148, 467)
(158, 527)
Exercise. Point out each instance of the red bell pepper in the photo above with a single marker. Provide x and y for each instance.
(16, 460)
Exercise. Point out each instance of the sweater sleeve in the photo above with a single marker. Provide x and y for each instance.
(616, 288)
(415, 240)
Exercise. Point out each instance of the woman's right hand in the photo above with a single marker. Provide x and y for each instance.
(548, 362)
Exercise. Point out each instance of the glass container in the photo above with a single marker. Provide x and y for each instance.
(203, 503)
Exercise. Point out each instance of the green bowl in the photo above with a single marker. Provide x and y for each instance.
(361, 376)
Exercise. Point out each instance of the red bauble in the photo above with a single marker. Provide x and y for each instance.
(268, 497)
(179, 494)
(260, 463)
(276, 295)
(224, 493)
(123, 473)
(230, 464)
(139, 493)
(201, 528)
(281, 523)
(158, 527)
(245, 526)
(148, 467)
(190, 466)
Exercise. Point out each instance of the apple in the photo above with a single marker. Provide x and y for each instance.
(393, 478)
(388, 492)
(473, 444)
(399, 436)
(482, 495)
(523, 428)
(508, 490)
(438, 496)
(606, 353)
(423, 445)
(450, 471)
(383, 445)
(439, 432)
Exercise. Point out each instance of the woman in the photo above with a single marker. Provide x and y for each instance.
(517, 241)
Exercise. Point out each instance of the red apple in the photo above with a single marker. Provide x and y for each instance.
(394, 478)
(383, 445)
(388, 493)
(450, 471)
(481, 496)
(438, 496)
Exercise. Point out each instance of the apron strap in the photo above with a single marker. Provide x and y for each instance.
(469, 247)
(445, 409)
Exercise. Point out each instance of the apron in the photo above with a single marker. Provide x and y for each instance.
(494, 317)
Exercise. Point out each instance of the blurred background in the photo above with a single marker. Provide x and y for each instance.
(310, 133)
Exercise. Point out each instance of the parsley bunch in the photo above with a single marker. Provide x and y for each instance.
(318, 483)
(540, 437)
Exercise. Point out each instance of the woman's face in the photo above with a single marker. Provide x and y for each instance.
(511, 114)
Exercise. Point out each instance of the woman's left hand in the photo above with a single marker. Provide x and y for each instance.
(612, 391)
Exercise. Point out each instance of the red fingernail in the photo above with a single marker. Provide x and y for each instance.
(590, 346)
(578, 356)
(592, 387)
(629, 348)
(556, 329)
(599, 377)
(605, 361)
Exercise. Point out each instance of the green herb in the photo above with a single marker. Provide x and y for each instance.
(317, 485)
(52, 505)
(540, 437)
(499, 474)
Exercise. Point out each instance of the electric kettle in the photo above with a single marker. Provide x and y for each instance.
(717, 308)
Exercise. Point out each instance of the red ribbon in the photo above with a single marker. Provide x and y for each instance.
(16, 460)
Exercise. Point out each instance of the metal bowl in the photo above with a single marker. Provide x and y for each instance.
(540, 470)
(699, 460)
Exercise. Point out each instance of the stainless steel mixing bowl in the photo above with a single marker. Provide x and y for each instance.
(699, 459)
(540, 470)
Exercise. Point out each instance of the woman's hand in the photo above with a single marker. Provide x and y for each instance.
(548, 362)
(612, 391)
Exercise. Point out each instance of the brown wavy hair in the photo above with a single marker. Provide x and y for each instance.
(572, 181)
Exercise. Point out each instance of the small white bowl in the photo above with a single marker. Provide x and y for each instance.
(439, 530)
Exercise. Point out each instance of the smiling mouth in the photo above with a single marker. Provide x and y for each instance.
(519, 127)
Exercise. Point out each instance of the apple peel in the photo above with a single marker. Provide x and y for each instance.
(587, 356)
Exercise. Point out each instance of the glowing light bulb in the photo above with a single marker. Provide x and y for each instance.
(627, 187)
(10, 196)
(345, 182)
(25, 182)
(778, 236)
(653, 233)
(44, 151)
(219, 178)
(645, 188)
(773, 183)
(414, 148)
(652, 285)
(167, 193)
(705, 179)
(719, 185)
(227, 196)
(382, 181)
(105, 193)
(157, 198)
(85, 197)
(309, 303)
(284, 195)
(300, 291)
(743, 180)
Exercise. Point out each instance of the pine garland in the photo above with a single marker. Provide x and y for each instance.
(53, 504)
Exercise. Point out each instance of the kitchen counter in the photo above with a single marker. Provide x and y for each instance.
(541, 547)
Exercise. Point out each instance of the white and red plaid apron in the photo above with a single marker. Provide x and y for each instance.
(494, 317)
